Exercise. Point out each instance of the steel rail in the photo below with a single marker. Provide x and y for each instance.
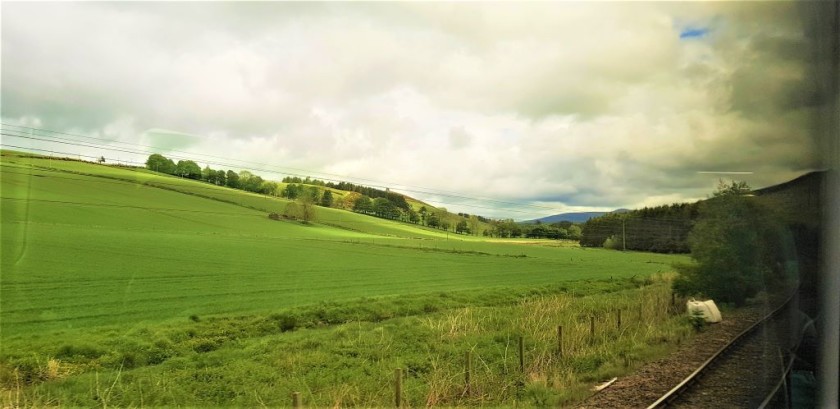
(694, 377)
(782, 382)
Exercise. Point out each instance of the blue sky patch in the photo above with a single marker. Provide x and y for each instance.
(689, 33)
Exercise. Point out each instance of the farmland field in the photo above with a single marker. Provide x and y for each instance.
(84, 250)
(92, 252)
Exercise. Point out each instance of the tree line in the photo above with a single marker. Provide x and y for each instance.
(660, 229)
(370, 192)
(307, 192)
(460, 223)
(393, 206)
(558, 230)
(188, 169)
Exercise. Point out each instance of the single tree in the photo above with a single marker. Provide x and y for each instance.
(363, 204)
(270, 188)
(474, 224)
(327, 198)
(188, 169)
(220, 177)
(735, 247)
(208, 175)
(291, 191)
(574, 232)
(307, 207)
(433, 220)
(384, 208)
(314, 194)
(250, 182)
(232, 179)
(462, 228)
(413, 217)
(160, 163)
(292, 211)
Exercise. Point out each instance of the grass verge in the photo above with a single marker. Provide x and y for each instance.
(345, 353)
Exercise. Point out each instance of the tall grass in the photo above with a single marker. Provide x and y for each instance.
(550, 377)
(240, 362)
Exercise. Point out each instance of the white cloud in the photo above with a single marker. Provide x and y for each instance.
(572, 105)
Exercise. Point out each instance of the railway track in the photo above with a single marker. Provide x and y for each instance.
(749, 371)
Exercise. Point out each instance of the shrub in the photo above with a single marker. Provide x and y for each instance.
(539, 395)
(587, 363)
(612, 243)
(697, 321)
(68, 351)
(128, 360)
(429, 308)
(735, 248)
(204, 345)
(287, 322)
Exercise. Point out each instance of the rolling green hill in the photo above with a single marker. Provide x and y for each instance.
(146, 278)
(86, 244)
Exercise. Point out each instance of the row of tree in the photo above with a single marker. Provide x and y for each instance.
(184, 168)
(372, 193)
(244, 180)
(480, 218)
(559, 230)
(307, 192)
(394, 207)
(661, 229)
(379, 207)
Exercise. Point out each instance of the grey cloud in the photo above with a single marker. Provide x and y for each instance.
(571, 103)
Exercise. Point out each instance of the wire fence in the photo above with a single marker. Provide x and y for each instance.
(555, 342)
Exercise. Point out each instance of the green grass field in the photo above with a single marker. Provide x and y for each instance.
(82, 250)
(91, 250)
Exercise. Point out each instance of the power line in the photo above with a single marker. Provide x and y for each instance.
(606, 225)
(650, 226)
(75, 143)
(378, 184)
(208, 188)
(114, 180)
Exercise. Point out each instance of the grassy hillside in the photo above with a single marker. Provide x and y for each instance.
(108, 256)
(105, 245)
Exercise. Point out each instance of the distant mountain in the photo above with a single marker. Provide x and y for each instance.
(574, 217)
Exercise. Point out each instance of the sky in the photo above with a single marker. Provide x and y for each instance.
(515, 110)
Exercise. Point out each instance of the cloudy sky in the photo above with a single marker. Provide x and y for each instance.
(501, 109)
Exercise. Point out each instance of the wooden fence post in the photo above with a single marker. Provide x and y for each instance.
(618, 320)
(467, 370)
(673, 302)
(296, 400)
(560, 340)
(398, 387)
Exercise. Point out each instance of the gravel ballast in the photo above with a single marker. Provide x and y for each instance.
(655, 378)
